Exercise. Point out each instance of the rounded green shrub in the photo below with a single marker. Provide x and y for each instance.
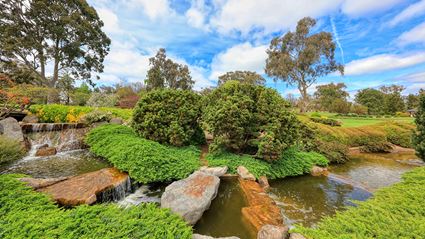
(419, 136)
(10, 150)
(169, 116)
(250, 119)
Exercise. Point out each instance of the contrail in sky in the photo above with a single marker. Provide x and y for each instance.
(337, 39)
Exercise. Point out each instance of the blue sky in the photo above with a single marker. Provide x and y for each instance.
(380, 42)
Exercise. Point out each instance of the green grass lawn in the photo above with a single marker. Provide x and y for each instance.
(356, 122)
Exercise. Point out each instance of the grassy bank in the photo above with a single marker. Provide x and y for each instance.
(292, 163)
(55, 113)
(145, 160)
(25, 213)
(394, 212)
(363, 120)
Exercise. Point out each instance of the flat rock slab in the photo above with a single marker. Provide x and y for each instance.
(262, 210)
(191, 196)
(37, 183)
(84, 188)
(216, 171)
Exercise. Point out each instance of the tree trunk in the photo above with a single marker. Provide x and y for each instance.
(56, 65)
(304, 97)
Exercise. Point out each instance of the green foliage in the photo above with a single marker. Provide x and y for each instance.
(327, 121)
(332, 97)
(102, 100)
(371, 98)
(393, 212)
(164, 73)
(146, 161)
(97, 116)
(386, 100)
(291, 163)
(419, 136)
(54, 113)
(29, 214)
(249, 119)
(246, 77)
(376, 147)
(10, 150)
(169, 116)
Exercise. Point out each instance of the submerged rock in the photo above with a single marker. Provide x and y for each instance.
(45, 151)
(191, 196)
(319, 171)
(216, 171)
(272, 232)
(10, 128)
(199, 236)
(245, 174)
(88, 188)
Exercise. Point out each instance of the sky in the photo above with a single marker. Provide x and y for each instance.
(379, 42)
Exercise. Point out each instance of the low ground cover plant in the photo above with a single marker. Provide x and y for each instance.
(29, 214)
(393, 212)
(55, 113)
(10, 150)
(145, 160)
(169, 116)
(291, 163)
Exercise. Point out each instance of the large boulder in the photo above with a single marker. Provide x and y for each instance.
(216, 171)
(30, 119)
(199, 236)
(191, 196)
(38, 183)
(11, 129)
(245, 174)
(318, 171)
(89, 188)
(272, 232)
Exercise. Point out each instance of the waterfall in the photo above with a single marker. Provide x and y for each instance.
(115, 193)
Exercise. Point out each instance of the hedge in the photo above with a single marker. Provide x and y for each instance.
(145, 160)
(29, 214)
(394, 212)
(55, 113)
(291, 163)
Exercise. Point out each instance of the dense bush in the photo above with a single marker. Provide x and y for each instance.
(291, 163)
(37, 94)
(252, 119)
(419, 136)
(376, 147)
(169, 116)
(102, 100)
(62, 113)
(97, 116)
(327, 121)
(29, 214)
(10, 150)
(393, 212)
(146, 161)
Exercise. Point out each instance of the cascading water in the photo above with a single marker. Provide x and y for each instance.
(115, 193)
(144, 194)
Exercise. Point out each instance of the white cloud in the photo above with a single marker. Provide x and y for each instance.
(269, 15)
(383, 62)
(357, 8)
(415, 35)
(154, 8)
(239, 57)
(110, 20)
(410, 12)
(417, 77)
(196, 15)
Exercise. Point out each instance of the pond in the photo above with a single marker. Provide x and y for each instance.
(63, 164)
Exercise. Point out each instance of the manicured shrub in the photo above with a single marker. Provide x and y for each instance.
(145, 160)
(26, 213)
(393, 212)
(97, 116)
(376, 147)
(10, 150)
(169, 116)
(251, 119)
(291, 163)
(327, 121)
(54, 113)
(102, 100)
(419, 136)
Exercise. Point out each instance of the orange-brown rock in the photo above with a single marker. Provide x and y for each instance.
(319, 171)
(262, 210)
(264, 182)
(45, 151)
(82, 189)
(37, 183)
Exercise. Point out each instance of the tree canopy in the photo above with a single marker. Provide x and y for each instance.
(332, 97)
(299, 58)
(247, 77)
(66, 33)
(164, 73)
